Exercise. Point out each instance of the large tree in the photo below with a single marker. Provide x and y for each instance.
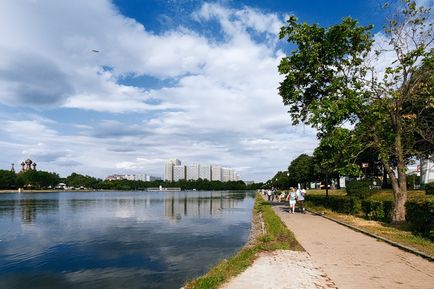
(334, 77)
(301, 169)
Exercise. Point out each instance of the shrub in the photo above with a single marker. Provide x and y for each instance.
(420, 215)
(359, 189)
(340, 204)
(377, 210)
(429, 188)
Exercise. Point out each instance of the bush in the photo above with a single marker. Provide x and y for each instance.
(420, 215)
(340, 204)
(359, 189)
(377, 210)
(429, 188)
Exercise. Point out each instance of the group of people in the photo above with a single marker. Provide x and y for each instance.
(294, 197)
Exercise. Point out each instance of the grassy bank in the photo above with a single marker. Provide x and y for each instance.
(276, 236)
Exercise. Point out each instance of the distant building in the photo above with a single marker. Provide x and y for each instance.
(174, 171)
(178, 173)
(426, 171)
(216, 173)
(168, 169)
(205, 172)
(28, 165)
(115, 178)
(192, 172)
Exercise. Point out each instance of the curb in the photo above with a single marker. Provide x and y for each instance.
(400, 246)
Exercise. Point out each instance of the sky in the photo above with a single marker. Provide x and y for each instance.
(102, 87)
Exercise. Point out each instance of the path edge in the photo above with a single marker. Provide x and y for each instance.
(395, 244)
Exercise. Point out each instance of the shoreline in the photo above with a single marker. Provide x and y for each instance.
(269, 236)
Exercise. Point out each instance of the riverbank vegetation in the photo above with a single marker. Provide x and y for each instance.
(275, 236)
(37, 180)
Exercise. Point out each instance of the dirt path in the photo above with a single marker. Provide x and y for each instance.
(354, 260)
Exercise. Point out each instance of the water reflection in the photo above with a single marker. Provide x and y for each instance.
(117, 239)
(178, 205)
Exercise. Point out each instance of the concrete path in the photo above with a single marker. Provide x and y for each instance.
(354, 260)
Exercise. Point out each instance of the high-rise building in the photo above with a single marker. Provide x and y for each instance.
(205, 172)
(178, 172)
(216, 173)
(193, 172)
(226, 175)
(168, 169)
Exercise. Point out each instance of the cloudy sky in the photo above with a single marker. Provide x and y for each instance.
(101, 87)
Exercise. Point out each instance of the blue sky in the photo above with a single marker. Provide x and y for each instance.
(186, 79)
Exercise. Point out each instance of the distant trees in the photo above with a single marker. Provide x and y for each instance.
(37, 179)
(78, 180)
(8, 180)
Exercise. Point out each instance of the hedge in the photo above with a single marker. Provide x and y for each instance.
(420, 215)
(359, 189)
(340, 204)
(429, 188)
(377, 210)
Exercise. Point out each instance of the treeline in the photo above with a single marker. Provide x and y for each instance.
(47, 180)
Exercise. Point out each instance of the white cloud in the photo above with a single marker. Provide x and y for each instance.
(221, 105)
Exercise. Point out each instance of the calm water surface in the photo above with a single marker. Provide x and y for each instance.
(117, 239)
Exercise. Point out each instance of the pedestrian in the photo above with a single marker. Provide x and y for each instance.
(269, 192)
(292, 200)
(300, 200)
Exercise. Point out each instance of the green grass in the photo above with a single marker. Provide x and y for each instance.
(277, 236)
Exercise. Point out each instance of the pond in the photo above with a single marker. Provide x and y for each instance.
(118, 239)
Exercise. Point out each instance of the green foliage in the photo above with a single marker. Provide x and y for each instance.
(78, 180)
(330, 80)
(377, 210)
(37, 179)
(340, 204)
(420, 215)
(8, 179)
(358, 188)
(429, 188)
(336, 152)
(301, 169)
(413, 180)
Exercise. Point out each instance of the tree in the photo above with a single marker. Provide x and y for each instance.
(78, 180)
(8, 179)
(37, 179)
(331, 80)
(301, 169)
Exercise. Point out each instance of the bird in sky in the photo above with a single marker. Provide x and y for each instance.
(94, 50)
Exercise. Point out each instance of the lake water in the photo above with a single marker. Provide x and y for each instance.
(118, 239)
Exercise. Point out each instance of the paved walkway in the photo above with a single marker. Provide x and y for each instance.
(335, 257)
(354, 260)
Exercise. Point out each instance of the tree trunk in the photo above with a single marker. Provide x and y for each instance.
(399, 184)
(400, 195)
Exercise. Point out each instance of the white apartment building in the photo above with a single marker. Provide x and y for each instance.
(426, 171)
(216, 173)
(168, 169)
(226, 175)
(193, 172)
(178, 172)
(205, 172)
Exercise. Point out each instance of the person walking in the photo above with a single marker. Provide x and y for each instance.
(300, 200)
(292, 196)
